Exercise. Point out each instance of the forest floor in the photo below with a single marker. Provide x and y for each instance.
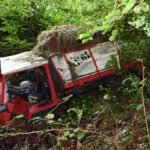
(104, 118)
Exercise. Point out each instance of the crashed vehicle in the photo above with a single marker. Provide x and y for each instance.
(30, 84)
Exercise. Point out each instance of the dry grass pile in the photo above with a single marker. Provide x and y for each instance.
(58, 38)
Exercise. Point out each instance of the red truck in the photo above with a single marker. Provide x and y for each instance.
(30, 84)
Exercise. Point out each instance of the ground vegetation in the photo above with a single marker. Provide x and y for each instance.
(116, 116)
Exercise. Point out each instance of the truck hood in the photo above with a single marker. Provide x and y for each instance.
(20, 62)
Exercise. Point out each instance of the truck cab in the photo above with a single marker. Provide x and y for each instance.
(25, 78)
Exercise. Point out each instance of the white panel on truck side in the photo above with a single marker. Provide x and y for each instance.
(20, 62)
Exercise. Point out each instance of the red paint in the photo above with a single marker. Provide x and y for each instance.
(94, 61)
(3, 91)
(83, 81)
(10, 107)
(54, 97)
(89, 46)
(36, 108)
(20, 106)
(131, 65)
(4, 117)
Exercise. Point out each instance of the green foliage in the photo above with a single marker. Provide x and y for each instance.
(148, 117)
(139, 107)
(87, 15)
(80, 108)
(109, 97)
(68, 134)
(18, 117)
(77, 111)
(129, 6)
(127, 11)
(131, 87)
(113, 63)
(80, 136)
(21, 22)
(49, 116)
(129, 24)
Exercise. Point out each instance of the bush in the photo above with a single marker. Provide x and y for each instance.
(20, 23)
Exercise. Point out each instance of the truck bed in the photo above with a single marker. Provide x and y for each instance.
(79, 67)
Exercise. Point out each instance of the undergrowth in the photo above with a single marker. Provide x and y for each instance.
(111, 118)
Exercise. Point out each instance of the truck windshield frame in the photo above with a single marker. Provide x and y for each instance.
(0, 91)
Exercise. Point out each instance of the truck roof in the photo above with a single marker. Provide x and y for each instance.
(20, 62)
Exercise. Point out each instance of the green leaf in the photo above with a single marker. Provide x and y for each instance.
(139, 22)
(125, 80)
(67, 133)
(86, 131)
(148, 117)
(76, 130)
(81, 36)
(42, 132)
(50, 121)
(89, 125)
(18, 116)
(107, 97)
(111, 148)
(86, 39)
(35, 119)
(50, 116)
(71, 135)
(80, 136)
(114, 35)
(137, 10)
(139, 107)
(144, 7)
(67, 97)
(129, 6)
(101, 88)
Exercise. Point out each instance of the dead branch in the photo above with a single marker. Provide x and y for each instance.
(143, 101)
